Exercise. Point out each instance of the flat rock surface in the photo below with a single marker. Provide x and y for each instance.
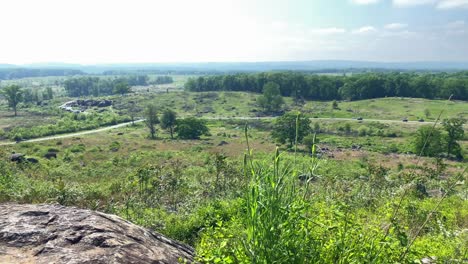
(58, 234)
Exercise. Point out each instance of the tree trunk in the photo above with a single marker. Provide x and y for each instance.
(172, 132)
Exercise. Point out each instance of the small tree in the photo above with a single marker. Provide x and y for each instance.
(133, 109)
(271, 100)
(50, 93)
(427, 113)
(190, 128)
(335, 104)
(428, 141)
(286, 127)
(168, 121)
(454, 128)
(121, 88)
(151, 119)
(14, 95)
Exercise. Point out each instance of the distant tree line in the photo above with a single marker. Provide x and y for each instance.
(17, 73)
(332, 87)
(162, 80)
(95, 86)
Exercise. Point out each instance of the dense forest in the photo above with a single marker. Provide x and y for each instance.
(333, 87)
(17, 73)
(95, 86)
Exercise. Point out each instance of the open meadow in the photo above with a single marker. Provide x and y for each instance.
(354, 183)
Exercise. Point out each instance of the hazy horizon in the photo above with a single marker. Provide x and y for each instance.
(207, 31)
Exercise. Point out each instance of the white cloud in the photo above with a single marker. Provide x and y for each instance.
(328, 31)
(364, 2)
(394, 26)
(407, 3)
(440, 4)
(449, 4)
(365, 30)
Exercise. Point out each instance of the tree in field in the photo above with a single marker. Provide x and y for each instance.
(190, 128)
(151, 119)
(121, 88)
(427, 113)
(271, 99)
(286, 127)
(168, 121)
(454, 129)
(14, 95)
(50, 93)
(133, 109)
(334, 105)
(428, 141)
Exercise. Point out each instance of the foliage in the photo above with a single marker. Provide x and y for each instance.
(191, 128)
(121, 88)
(428, 141)
(13, 94)
(168, 121)
(95, 86)
(454, 129)
(355, 87)
(291, 127)
(271, 99)
(151, 119)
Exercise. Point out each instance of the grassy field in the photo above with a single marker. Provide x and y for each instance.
(366, 190)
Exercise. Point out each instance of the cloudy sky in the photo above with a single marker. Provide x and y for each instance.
(117, 31)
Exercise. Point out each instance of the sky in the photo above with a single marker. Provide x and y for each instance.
(157, 31)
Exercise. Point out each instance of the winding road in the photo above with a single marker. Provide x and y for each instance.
(207, 118)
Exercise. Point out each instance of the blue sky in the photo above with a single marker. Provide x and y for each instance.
(116, 31)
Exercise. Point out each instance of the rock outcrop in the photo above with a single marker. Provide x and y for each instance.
(59, 234)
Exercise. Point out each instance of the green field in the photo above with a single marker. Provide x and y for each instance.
(203, 192)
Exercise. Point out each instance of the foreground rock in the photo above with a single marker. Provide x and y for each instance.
(58, 234)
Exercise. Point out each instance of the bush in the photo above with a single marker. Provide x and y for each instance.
(191, 128)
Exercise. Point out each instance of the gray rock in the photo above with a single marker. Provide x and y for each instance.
(50, 155)
(17, 157)
(58, 234)
(222, 143)
(32, 160)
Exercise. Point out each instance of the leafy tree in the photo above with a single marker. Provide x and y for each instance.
(14, 95)
(190, 128)
(168, 121)
(454, 128)
(271, 100)
(50, 93)
(428, 141)
(151, 119)
(287, 125)
(121, 88)
(335, 104)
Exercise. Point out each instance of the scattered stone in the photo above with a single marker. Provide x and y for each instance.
(355, 147)
(17, 157)
(58, 234)
(222, 143)
(50, 155)
(32, 160)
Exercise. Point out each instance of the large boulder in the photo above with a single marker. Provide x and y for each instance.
(58, 234)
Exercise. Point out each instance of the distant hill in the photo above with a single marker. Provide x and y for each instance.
(319, 66)
(322, 65)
